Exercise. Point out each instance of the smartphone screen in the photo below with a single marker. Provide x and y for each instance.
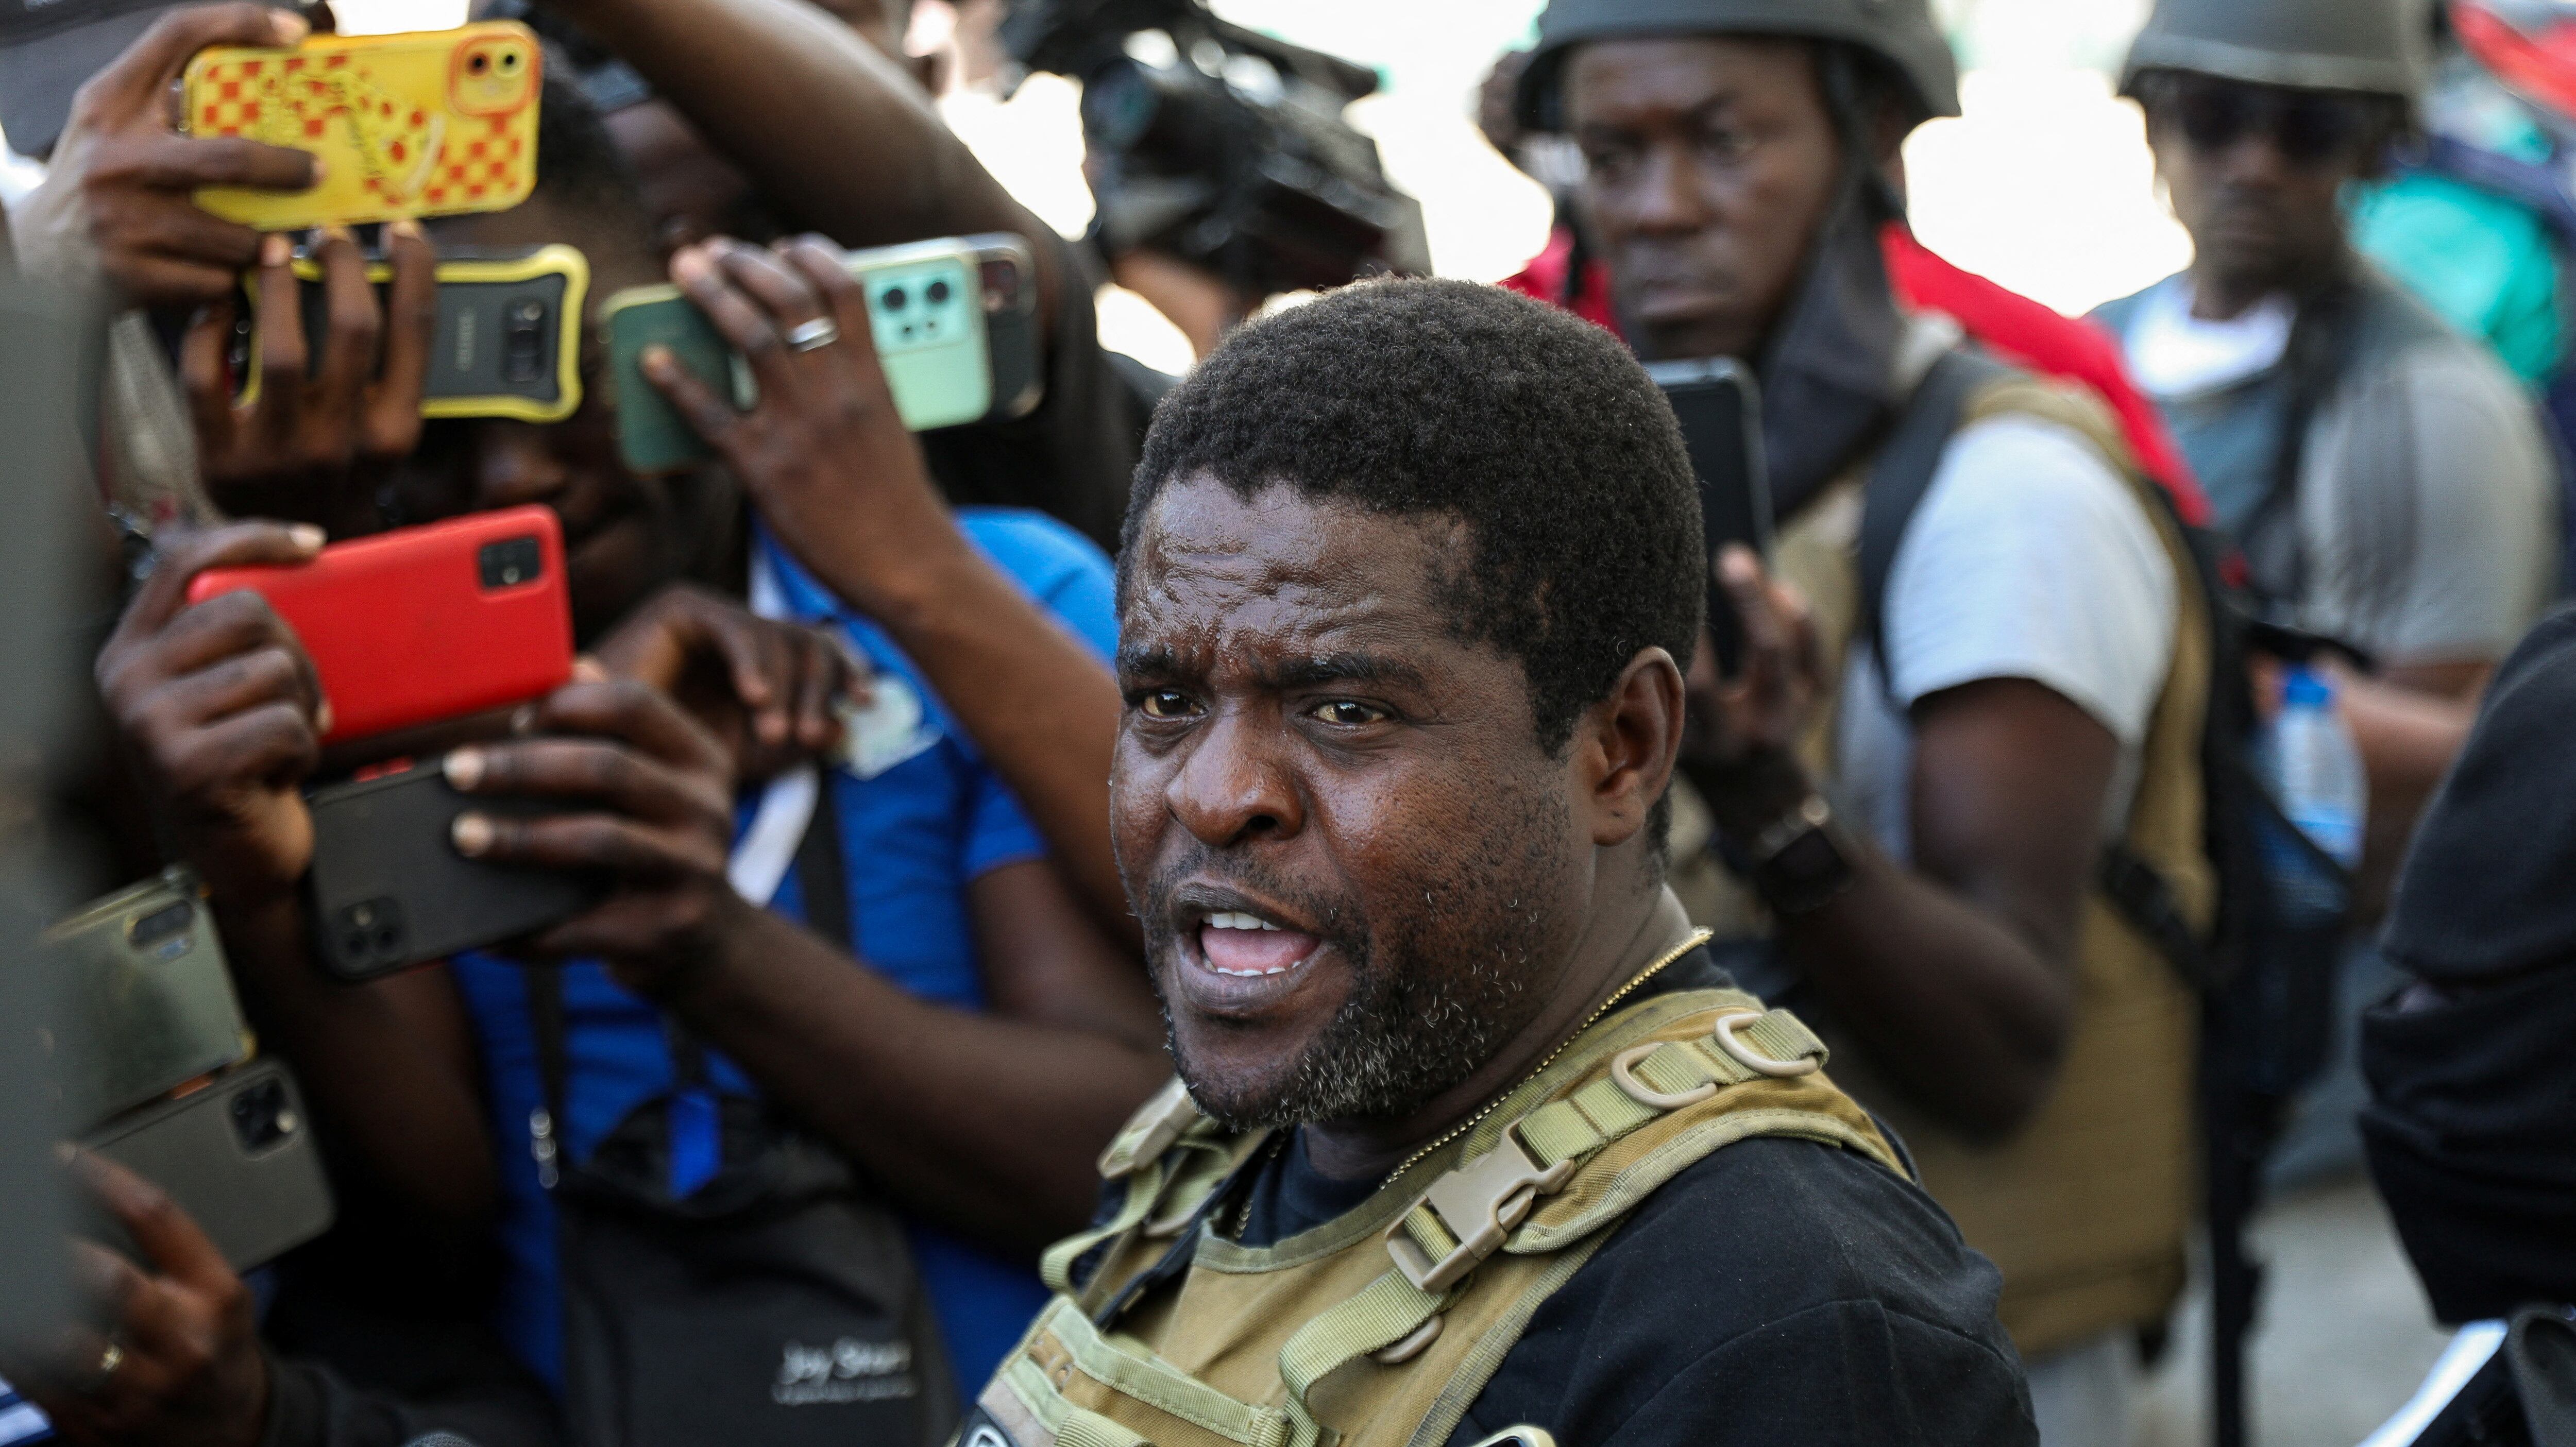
(1719, 406)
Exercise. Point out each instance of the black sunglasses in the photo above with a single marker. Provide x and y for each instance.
(2309, 127)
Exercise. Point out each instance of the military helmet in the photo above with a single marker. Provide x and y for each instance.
(1898, 32)
(2379, 46)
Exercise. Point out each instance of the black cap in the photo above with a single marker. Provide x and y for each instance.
(50, 48)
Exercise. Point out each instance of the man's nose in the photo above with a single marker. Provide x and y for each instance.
(1235, 788)
(513, 465)
(1669, 197)
(2253, 159)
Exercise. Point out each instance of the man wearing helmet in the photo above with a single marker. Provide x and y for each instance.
(2010, 696)
(2388, 482)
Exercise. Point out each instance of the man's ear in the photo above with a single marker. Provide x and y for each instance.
(1625, 746)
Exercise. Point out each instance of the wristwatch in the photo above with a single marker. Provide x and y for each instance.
(1797, 863)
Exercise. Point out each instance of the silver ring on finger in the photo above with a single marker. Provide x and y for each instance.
(105, 1372)
(813, 336)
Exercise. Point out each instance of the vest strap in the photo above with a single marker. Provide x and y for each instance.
(1144, 1187)
(1467, 1213)
(1384, 1312)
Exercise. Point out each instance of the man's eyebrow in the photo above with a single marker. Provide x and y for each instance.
(1324, 668)
(1157, 660)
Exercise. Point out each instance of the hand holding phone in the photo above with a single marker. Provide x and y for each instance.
(118, 191)
(187, 1366)
(221, 710)
(328, 406)
(824, 449)
(954, 322)
(658, 834)
(430, 124)
(421, 624)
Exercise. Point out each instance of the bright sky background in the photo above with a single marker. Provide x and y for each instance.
(2044, 185)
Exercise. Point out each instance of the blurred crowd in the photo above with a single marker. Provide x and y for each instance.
(706, 822)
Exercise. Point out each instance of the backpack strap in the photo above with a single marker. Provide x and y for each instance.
(1904, 471)
(1897, 485)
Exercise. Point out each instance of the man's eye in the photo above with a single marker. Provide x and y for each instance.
(1605, 161)
(1164, 703)
(1346, 713)
(1726, 143)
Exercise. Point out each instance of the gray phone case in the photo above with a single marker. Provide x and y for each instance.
(237, 1156)
(151, 1005)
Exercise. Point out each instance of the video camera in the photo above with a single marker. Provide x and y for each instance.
(1222, 146)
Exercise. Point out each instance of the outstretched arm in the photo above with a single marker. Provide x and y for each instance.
(832, 128)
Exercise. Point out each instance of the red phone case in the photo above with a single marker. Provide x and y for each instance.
(428, 623)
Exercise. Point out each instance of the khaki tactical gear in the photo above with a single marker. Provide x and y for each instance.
(2380, 46)
(2084, 1209)
(1382, 1326)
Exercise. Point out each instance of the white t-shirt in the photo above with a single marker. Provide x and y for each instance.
(2027, 558)
(2175, 354)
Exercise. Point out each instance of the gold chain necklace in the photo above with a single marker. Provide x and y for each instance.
(1698, 938)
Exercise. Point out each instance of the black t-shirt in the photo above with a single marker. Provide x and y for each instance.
(1074, 456)
(1776, 1291)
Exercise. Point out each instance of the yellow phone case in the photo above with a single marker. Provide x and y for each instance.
(428, 124)
(457, 360)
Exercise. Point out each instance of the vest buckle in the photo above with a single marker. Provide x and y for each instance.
(1478, 1204)
(1163, 1121)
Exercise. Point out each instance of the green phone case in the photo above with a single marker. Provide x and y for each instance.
(924, 305)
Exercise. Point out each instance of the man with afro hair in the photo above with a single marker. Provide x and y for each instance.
(1472, 1140)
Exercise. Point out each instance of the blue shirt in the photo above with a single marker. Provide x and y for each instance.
(930, 820)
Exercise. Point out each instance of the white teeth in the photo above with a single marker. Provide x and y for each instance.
(1275, 970)
(1236, 919)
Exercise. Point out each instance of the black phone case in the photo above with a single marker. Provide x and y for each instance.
(388, 889)
(1010, 323)
(237, 1156)
(1719, 407)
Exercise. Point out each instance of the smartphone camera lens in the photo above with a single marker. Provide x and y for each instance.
(936, 293)
(894, 299)
(509, 62)
(262, 1117)
(523, 340)
(164, 933)
(478, 63)
(510, 562)
(371, 933)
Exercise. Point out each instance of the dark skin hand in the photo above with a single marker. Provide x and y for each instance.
(1710, 167)
(1307, 742)
(843, 485)
(818, 107)
(1957, 973)
(117, 200)
(192, 1374)
(2259, 221)
(986, 1121)
(313, 447)
(769, 691)
(218, 711)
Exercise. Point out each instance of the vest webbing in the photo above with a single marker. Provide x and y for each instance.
(2087, 1207)
(1289, 1345)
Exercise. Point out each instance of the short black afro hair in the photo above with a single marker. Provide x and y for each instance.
(1538, 430)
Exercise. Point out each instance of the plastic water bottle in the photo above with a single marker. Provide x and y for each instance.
(2309, 761)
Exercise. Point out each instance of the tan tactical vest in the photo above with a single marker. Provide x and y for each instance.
(1382, 1326)
(2085, 1208)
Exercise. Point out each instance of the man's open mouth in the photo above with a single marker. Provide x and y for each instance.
(1241, 943)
